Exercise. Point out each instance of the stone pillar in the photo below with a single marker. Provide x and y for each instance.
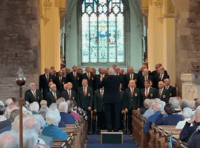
(169, 40)
(155, 34)
(19, 44)
(190, 91)
(187, 36)
(50, 34)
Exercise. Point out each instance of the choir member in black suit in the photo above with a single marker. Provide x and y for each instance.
(33, 94)
(112, 99)
(99, 78)
(171, 91)
(122, 95)
(160, 76)
(53, 96)
(44, 81)
(147, 92)
(162, 92)
(144, 66)
(98, 108)
(129, 76)
(132, 101)
(117, 73)
(122, 71)
(75, 78)
(156, 71)
(93, 71)
(68, 93)
(60, 80)
(89, 76)
(145, 76)
(85, 100)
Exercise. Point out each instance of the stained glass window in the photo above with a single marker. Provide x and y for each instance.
(102, 31)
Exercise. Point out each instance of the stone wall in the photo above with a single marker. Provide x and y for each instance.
(19, 44)
(187, 17)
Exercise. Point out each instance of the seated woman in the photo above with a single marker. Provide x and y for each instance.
(52, 130)
(66, 118)
(187, 114)
(73, 109)
(171, 119)
(147, 104)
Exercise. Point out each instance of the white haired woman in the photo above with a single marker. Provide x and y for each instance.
(52, 130)
(34, 107)
(66, 118)
(187, 114)
(9, 140)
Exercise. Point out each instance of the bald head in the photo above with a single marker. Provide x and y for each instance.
(111, 71)
(132, 84)
(160, 84)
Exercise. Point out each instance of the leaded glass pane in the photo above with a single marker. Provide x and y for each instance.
(93, 38)
(102, 33)
(85, 38)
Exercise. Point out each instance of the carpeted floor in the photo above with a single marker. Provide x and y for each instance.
(95, 142)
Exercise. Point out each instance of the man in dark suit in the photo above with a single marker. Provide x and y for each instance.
(132, 101)
(53, 96)
(156, 71)
(68, 93)
(33, 94)
(122, 95)
(89, 76)
(145, 76)
(75, 78)
(160, 76)
(85, 100)
(171, 91)
(162, 92)
(130, 76)
(60, 80)
(99, 78)
(112, 99)
(98, 108)
(147, 92)
(44, 82)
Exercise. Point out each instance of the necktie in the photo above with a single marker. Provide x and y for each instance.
(131, 92)
(88, 75)
(84, 92)
(146, 92)
(160, 92)
(34, 94)
(74, 74)
(55, 96)
(47, 77)
(161, 77)
(69, 93)
(101, 93)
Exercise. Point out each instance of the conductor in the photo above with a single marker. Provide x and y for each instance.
(111, 99)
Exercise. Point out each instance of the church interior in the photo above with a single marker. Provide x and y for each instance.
(55, 56)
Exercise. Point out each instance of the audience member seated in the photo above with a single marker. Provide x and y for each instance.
(9, 109)
(185, 103)
(66, 118)
(187, 114)
(74, 109)
(1, 103)
(60, 100)
(176, 105)
(52, 130)
(171, 119)
(149, 111)
(192, 105)
(187, 129)
(194, 142)
(9, 102)
(43, 111)
(157, 111)
(5, 124)
(147, 103)
(34, 107)
(9, 140)
(43, 103)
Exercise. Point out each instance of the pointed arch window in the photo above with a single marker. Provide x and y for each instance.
(102, 32)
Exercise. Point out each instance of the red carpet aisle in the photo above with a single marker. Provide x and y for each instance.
(94, 141)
